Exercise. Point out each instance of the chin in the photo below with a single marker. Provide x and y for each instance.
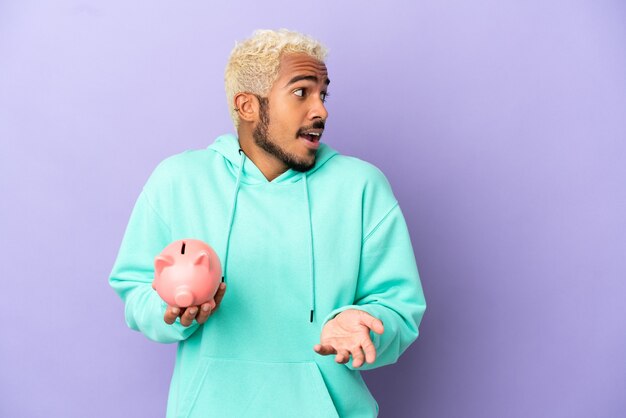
(302, 166)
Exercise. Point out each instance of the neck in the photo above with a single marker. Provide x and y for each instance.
(270, 166)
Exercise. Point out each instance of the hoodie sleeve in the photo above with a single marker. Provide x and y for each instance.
(389, 288)
(146, 236)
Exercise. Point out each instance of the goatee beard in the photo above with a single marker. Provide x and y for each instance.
(261, 138)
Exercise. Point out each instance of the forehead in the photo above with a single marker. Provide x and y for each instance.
(292, 65)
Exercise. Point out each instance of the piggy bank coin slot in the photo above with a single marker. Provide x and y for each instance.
(182, 250)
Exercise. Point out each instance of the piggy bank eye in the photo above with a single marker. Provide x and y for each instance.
(182, 250)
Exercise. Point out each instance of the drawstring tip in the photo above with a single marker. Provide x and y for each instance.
(311, 315)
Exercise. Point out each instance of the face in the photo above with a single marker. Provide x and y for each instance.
(292, 117)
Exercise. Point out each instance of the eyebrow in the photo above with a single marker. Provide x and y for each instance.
(305, 77)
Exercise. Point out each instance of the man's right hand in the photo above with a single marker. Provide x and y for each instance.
(199, 313)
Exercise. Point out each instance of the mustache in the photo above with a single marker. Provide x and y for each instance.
(318, 124)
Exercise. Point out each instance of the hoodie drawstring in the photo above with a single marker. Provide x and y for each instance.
(311, 252)
(232, 212)
(310, 230)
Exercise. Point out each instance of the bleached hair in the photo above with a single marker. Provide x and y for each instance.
(254, 63)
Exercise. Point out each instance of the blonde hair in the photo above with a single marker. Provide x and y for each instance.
(254, 63)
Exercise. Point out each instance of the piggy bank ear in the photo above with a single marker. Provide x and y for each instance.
(162, 261)
(202, 260)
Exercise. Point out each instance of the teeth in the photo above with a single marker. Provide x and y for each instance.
(313, 133)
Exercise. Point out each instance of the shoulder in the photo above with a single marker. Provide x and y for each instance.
(178, 167)
(361, 175)
(184, 162)
(356, 170)
(356, 181)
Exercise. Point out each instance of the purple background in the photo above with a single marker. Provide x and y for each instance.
(500, 125)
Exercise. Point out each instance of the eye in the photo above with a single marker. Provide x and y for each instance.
(324, 96)
(299, 92)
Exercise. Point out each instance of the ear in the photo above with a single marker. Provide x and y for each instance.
(247, 106)
(162, 261)
(202, 260)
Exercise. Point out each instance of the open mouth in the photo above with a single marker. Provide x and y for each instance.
(311, 136)
(311, 139)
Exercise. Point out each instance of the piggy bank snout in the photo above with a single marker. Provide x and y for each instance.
(183, 297)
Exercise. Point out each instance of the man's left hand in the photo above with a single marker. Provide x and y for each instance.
(349, 334)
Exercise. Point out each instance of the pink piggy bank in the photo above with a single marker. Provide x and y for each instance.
(187, 273)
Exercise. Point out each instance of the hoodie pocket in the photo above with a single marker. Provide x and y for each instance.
(231, 388)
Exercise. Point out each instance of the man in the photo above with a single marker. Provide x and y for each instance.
(316, 256)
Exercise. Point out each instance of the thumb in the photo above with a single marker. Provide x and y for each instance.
(372, 323)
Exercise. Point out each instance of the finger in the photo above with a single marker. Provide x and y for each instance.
(324, 349)
(357, 357)
(372, 323)
(219, 295)
(190, 314)
(369, 350)
(343, 356)
(205, 311)
(171, 313)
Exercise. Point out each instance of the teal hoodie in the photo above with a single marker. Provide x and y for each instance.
(295, 252)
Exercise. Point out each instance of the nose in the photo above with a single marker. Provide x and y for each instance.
(318, 111)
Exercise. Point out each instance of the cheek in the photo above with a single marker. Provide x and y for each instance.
(283, 122)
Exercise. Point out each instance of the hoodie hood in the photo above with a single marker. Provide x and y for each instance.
(228, 146)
